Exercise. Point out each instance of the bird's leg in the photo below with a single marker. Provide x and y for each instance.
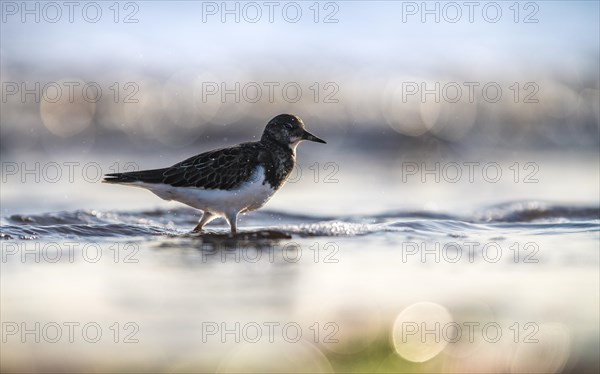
(232, 219)
(206, 218)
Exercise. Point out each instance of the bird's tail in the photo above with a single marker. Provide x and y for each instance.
(144, 176)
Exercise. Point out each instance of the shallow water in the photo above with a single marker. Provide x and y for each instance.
(368, 274)
(530, 216)
(341, 282)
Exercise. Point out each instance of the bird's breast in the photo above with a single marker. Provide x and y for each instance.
(278, 168)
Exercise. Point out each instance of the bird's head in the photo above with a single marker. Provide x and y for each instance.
(289, 130)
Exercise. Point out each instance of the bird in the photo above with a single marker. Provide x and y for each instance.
(228, 181)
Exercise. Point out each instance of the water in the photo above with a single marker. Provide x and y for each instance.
(524, 216)
(327, 277)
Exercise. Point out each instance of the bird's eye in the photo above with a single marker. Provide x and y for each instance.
(288, 126)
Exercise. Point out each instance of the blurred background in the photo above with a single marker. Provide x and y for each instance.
(171, 78)
(396, 88)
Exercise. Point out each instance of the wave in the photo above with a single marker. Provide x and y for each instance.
(534, 215)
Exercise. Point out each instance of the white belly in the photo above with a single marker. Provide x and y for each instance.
(249, 196)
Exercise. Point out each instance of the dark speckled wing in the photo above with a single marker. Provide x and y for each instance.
(222, 169)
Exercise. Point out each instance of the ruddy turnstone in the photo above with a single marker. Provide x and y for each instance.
(228, 181)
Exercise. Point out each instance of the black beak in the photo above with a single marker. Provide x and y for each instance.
(308, 136)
